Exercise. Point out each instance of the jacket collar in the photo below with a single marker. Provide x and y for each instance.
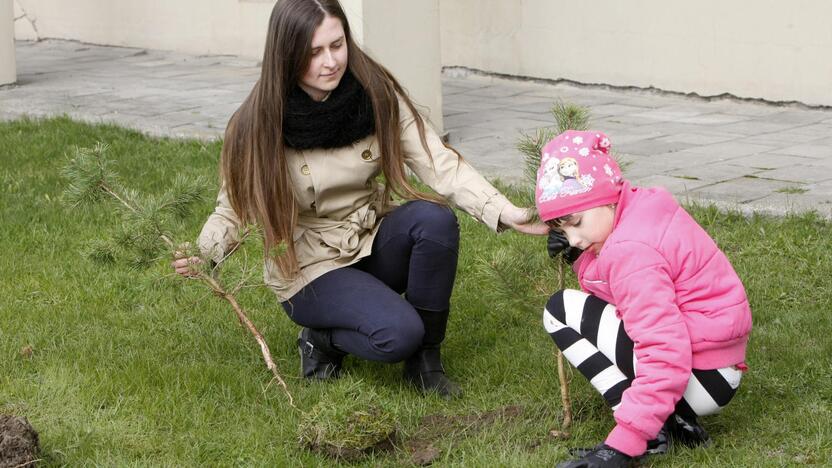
(624, 197)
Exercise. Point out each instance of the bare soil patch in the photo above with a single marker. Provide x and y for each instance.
(18, 442)
(422, 445)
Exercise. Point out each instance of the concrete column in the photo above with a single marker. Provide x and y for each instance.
(403, 35)
(8, 69)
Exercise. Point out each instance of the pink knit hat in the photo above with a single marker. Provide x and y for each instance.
(576, 173)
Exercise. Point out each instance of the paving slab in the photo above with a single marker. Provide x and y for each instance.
(731, 148)
(652, 146)
(768, 161)
(785, 203)
(742, 190)
(746, 155)
(800, 173)
(712, 119)
(821, 151)
(680, 187)
(781, 140)
(698, 139)
(702, 175)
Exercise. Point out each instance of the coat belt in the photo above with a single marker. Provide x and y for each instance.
(343, 235)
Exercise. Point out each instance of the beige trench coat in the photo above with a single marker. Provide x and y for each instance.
(340, 203)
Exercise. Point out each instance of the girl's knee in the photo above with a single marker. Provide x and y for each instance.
(554, 310)
(571, 300)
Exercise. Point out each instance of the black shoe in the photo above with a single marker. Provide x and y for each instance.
(687, 431)
(658, 446)
(424, 370)
(319, 359)
(602, 456)
(580, 452)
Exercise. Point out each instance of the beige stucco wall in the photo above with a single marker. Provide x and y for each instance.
(770, 49)
(190, 26)
(402, 34)
(8, 71)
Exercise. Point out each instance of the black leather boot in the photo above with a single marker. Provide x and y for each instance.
(424, 368)
(319, 358)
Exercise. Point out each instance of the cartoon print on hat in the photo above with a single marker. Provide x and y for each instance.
(562, 177)
(576, 172)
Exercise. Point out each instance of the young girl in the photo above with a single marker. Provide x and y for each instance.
(661, 326)
(301, 158)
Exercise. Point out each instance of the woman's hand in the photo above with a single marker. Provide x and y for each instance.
(520, 219)
(183, 264)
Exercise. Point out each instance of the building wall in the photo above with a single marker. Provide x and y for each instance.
(402, 34)
(769, 49)
(190, 26)
(8, 73)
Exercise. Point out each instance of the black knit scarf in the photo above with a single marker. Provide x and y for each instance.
(345, 117)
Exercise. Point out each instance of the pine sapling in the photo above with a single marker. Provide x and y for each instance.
(145, 236)
(567, 117)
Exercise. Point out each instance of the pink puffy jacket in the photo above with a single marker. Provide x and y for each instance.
(680, 300)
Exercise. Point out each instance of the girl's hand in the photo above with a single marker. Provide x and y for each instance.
(182, 264)
(558, 245)
(520, 219)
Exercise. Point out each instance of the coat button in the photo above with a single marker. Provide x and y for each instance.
(312, 205)
(366, 155)
(305, 170)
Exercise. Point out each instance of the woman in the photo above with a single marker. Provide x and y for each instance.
(301, 159)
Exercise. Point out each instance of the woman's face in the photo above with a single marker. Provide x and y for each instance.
(328, 61)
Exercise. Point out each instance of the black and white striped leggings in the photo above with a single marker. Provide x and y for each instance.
(593, 339)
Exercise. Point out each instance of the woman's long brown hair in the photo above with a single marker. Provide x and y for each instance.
(254, 168)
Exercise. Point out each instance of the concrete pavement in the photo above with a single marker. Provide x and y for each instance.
(739, 154)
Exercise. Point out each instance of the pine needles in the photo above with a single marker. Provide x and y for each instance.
(144, 235)
(567, 117)
(145, 220)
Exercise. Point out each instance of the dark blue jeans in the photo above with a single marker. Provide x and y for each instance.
(415, 254)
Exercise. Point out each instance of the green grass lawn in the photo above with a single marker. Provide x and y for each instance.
(136, 367)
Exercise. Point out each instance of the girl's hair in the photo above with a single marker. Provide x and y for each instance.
(254, 167)
(557, 223)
